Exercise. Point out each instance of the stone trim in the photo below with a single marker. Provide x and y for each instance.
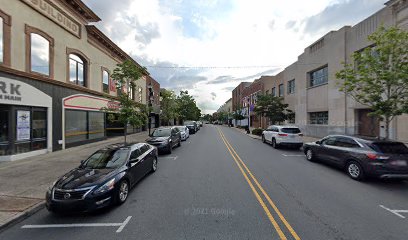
(6, 38)
(28, 31)
(87, 63)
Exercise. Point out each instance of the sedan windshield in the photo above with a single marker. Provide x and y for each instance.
(165, 132)
(189, 123)
(106, 159)
(181, 129)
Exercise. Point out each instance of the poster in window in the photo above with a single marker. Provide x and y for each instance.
(23, 125)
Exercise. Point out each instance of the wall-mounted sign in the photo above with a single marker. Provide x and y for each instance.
(57, 15)
(10, 91)
(23, 125)
(86, 102)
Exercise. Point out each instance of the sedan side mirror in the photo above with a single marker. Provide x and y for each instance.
(319, 142)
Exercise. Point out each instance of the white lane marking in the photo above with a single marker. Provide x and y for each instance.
(174, 158)
(123, 224)
(292, 155)
(395, 211)
(75, 225)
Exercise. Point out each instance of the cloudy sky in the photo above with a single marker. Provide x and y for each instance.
(208, 46)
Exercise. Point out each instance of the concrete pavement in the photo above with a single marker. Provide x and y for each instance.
(24, 182)
(210, 188)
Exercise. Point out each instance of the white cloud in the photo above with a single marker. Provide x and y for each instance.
(219, 33)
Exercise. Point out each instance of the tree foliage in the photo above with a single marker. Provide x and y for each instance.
(130, 112)
(168, 105)
(273, 108)
(186, 107)
(379, 76)
(237, 115)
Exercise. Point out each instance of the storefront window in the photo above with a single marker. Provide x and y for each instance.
(96, 125)
(4, 125)
(39, 124)
(4, 129)
(75, 126)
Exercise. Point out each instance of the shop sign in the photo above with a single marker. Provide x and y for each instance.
(23, 125)
(51, 11)
(85, 102)
(10, 91)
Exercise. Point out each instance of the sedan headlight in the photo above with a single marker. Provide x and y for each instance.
(109, 185)
(49, 190)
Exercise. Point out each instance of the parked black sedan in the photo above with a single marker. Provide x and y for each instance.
(361, 158)
(103, 179)
(165, 138)
(192, 126)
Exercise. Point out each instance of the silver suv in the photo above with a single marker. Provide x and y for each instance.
(290, 136)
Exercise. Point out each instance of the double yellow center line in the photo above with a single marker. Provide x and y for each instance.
(245, 172)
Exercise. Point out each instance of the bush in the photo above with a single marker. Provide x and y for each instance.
(257, 131)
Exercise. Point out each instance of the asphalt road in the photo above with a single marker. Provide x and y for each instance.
(221, 184)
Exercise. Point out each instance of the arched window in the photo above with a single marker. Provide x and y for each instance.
(105, 81)
(40, 54)
(77, 72)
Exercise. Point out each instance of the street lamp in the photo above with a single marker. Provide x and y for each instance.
(150, 87)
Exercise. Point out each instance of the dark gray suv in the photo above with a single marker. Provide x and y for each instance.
(361, 158)
(165, 139)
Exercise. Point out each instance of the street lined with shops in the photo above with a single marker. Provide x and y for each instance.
(222, 184)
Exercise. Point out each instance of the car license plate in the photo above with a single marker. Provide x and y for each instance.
(292, 136)
(400, 163)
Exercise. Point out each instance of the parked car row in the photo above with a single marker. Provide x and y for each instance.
(106, 177)
(360, 158)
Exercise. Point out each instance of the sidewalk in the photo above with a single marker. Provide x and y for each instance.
(25, 182)
(305, 138)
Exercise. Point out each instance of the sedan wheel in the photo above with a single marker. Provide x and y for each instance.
(170, 148)
(355, 171)
(154, 165)
(123, 192)
(263, 139)
(310, 155)
(274, 144)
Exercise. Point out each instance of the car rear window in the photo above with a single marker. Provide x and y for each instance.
(290, 130)
(390, 147)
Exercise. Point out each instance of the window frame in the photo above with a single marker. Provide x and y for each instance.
(281, 90)
(104, 69)
(86, 63)
(6, 39)
(310, 79)
(273, 91)
(291, 88)
(33, 30)
(317, 118)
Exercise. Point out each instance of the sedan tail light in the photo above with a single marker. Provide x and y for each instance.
(282, 135)
(374, 156)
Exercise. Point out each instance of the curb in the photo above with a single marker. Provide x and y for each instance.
(246, 134)
(23, 215)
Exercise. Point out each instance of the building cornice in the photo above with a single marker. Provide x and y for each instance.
(81, 10)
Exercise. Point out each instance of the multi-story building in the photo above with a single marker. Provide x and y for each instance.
(54, 77)
(153, 99)
(237, 95)
(311, 89)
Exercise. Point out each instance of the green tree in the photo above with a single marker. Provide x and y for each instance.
(130, 112)
(273, 108)
(207, 117)
(379, 76)
(237, 115)
(186, 107)
(168, 105)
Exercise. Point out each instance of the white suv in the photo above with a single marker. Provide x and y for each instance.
(283, 135)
